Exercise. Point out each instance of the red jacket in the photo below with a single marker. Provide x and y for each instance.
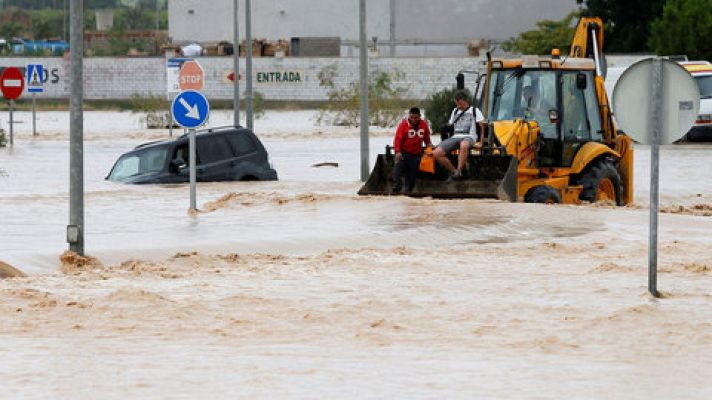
(409, 139)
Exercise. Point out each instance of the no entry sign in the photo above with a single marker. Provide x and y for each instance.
(11, 83)
(191, 76)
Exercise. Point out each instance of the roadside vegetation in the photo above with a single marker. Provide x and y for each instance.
(439, 106)
(49, 20)
(386, 103)
(657, 26)
(548, 35)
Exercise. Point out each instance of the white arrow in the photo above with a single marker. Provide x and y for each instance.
(192, 110)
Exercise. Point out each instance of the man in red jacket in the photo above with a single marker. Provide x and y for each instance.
(411, 133)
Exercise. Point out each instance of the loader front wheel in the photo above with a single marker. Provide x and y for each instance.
(601, 183)
(543, 194)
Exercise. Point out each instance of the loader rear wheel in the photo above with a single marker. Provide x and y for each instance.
(601, 182)
(543, 194)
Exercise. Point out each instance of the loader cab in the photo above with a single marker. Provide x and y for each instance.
(563, 102)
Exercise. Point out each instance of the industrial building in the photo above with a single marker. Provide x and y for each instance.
(394, 27)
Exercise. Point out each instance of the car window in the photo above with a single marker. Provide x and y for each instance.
(213, 148)
(241, 143)
(147, 160)
(704, 83)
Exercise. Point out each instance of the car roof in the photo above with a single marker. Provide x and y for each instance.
(219, 129)
(201, 133)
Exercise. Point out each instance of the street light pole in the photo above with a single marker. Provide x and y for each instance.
(75, 229)
(248, 71)
(236, 67)
(363, 77)
(64, 20)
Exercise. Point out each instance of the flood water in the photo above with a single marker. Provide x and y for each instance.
(295, 287)
(308, 209)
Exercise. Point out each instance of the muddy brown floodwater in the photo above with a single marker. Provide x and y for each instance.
(301, 289)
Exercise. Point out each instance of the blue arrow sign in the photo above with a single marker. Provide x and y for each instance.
(34, 78)
(190, 109)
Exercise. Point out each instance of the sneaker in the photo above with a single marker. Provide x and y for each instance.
(453, 176)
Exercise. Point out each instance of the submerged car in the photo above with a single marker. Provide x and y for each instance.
(702, 72)
(222, 154)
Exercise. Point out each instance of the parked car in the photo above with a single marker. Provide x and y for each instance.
(702, 72)
(223, 154)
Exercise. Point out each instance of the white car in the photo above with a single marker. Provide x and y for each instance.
(702, 72)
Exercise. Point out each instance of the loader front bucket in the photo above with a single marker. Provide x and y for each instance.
(486, 176)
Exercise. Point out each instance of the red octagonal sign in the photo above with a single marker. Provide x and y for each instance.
(11, 83)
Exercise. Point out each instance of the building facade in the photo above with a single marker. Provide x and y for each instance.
(399, 27)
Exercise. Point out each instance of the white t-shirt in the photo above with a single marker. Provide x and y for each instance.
(466, 125)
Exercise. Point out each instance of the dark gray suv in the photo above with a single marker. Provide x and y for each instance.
(223, 154)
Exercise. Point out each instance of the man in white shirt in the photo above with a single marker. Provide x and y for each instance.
(464, 121)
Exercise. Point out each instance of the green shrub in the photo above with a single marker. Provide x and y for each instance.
(258, 105)
(440, 105)
(143, 104)
(385, 100)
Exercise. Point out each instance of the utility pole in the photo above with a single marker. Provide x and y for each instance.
(64, 20)
(248, 72)
(393, 27)
(75, 229)
(236, 66)
(363, 77)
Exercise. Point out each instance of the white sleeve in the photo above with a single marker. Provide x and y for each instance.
(478, 115)
(452, 116)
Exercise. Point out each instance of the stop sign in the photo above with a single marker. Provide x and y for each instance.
(191, 76)
(11, 83)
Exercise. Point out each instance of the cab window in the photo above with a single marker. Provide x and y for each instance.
(211, 149)
(581, 121)
(241, 143)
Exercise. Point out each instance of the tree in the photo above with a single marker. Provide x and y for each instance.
(550, 35)
(684, 28)
(11, 29)
(440, 105)
(627, 22)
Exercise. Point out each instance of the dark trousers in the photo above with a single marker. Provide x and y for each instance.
(407, 167)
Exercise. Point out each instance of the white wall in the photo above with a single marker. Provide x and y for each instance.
(122, 77)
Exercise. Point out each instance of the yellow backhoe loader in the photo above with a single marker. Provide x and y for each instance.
(550, 135)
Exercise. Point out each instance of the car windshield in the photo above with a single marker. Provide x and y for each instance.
(514, 93)
(704, 83)
(140, 162)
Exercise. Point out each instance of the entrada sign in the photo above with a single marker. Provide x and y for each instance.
(280, 77)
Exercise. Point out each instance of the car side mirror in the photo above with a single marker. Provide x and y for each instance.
(553, 116)
(178, 164)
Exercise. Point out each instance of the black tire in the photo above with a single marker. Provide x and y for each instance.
(596, 180)
(543, 194)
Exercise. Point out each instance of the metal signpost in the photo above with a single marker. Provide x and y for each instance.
(248, 66)
(236, 66)
(11, 83)
(671, 109)
(76, 228)
(190, 110)
(363, 77)
(34, 75)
